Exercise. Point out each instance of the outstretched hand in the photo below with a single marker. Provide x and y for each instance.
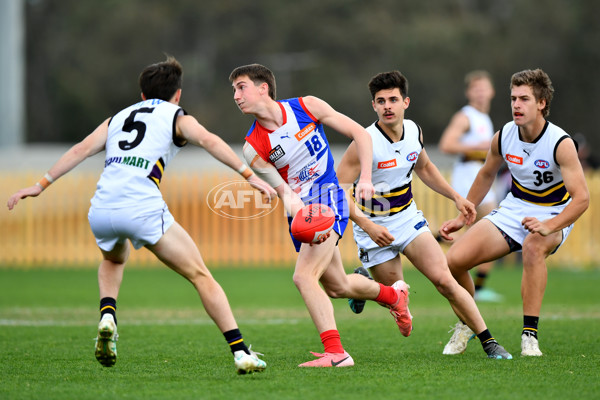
(467, 209)
(268, 193)
(31, 191)
(451, 226)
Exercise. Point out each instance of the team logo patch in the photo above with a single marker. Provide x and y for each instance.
(543, 164)
(276, 153)
(305, 131)
(363, 254)
(386, 164)
(412, 156)
(514, 159)
(420, 225)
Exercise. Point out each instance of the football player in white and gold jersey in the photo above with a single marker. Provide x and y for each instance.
(468, 137)
(139, 141)
(391, 223)
(548, 194)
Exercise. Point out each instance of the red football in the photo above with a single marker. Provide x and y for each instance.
(312, 222)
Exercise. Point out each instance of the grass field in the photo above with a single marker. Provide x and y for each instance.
(169, 348)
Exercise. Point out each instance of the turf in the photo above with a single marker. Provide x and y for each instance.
(169, 348)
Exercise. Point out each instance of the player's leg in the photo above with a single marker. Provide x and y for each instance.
(312, 263)
(533, 285)
(482, 271)
(177, 250)
(483, 242)
(338, 284)
(388, 272)
(110, 276)
(427, 256)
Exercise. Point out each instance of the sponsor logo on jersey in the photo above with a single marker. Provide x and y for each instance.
(514, 159)
(543, 164)
(386, 164)
(305, 131)
(276, 153)
(307, 173)
(412, 156)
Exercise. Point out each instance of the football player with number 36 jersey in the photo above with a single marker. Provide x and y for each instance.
(548, 194)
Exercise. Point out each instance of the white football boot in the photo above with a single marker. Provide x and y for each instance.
(529, 346)
(247, 363)
(458, 342)
(106, 342)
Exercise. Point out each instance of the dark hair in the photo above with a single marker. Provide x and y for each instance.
(540, 84)
(389, 80)
(257, 74)
(161, 80)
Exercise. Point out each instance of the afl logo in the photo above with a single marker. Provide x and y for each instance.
(412, 156)
(543, 164)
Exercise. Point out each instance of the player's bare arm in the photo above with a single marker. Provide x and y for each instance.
(347, 172)
(574, 179)
(269, 174)
(91, 145)
(482, 184)
(346, 126)
(190, 130)
(451, 137)
(428, 172)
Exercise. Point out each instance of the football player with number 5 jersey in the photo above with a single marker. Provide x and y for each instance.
(548, 194)
(128, 206)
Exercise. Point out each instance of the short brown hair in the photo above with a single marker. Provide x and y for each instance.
(257, 74)
(388, 80)
(477, 75)
(161, 80)
(540, 83)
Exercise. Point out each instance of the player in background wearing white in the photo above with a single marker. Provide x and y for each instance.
(139, 142)
(390, 223)
(287, 146)
(468, 135)
(548, 194)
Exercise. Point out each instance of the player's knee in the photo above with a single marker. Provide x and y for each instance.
(445, 284)
(535, 250)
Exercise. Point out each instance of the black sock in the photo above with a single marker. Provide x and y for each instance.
(108, 305)
(530, 325)
(486, 338)
(235, 340)
(480, 280)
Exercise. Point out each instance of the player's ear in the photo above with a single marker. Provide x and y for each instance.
(143, 96)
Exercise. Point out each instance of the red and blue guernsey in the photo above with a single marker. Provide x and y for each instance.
(300, 152)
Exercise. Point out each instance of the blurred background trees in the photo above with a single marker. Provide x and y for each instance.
(83, 57)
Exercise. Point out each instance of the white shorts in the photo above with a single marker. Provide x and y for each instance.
(508, 216)
(464, 174)
(404, 226)
(140, 226)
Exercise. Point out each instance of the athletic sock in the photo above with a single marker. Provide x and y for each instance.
(486, 338)
(108, 305)
(331, 341)
(235, 340)
(530, 325)
(387, 295)
(480, 280)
